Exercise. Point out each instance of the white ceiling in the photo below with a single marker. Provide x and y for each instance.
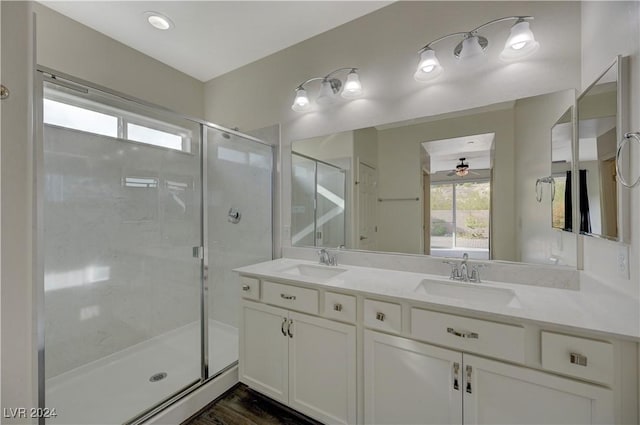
(445, 154)
(211, 38)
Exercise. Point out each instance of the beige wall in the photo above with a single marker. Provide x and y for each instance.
(70, 47)
(387, 60)
(537, 241)
(400, 175)
(18, 372)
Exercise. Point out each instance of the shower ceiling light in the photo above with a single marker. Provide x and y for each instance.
(521, 43)
(158, 20)
(329, 89)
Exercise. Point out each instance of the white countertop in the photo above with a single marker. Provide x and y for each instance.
(594, 308)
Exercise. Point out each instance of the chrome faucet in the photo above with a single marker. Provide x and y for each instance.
(461, 271)
(326, 258)
(464, 273)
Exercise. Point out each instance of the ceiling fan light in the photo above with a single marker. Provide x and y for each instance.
(521, 42)
(428, 65)
(462, 172)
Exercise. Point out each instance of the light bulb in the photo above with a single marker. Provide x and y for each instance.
(471, 49)
(326, 95)
(521, 42)
(428, 65)
(301, 102)
(158, 20)
(352, 86)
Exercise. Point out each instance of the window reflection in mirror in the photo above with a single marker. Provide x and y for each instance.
(597, 144)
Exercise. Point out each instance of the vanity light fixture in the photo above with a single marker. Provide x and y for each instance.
(330, 86)
(158, 20)
(520, 43)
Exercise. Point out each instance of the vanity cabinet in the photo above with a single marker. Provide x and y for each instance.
(303, 361)
(408, 382)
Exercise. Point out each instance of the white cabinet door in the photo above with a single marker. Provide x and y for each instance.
(497, 393)
(264, 362)
(407, 382)
(322, 369)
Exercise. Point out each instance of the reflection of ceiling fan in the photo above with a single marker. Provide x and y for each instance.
(462, 169)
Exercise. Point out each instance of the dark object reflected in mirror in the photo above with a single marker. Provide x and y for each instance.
(599, 120)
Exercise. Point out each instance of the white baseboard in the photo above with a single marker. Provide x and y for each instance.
(194, 402)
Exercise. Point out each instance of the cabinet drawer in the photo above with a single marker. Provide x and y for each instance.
(250, 288)
(467, 334)
(340, 306)
(291, 297)
(383, 315)
(584, 358)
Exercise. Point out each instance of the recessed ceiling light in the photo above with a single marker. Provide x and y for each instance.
(158, 20)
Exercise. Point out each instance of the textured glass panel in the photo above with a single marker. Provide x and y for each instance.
(122, 288)
(239, 173)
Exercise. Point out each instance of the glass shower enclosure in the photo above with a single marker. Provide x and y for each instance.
(143, 216)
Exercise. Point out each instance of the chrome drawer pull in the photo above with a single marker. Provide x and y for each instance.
(284, 322)
(469, 335)
(288, 297)
(289, 328)
(456, 370)
(578, 359)
(246, 288)
(337, 307)
(380, 316)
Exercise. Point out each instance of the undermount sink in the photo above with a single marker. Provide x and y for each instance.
(320, 272)
(470, 292)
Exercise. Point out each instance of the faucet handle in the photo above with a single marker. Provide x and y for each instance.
(455, 273)
(475, 272)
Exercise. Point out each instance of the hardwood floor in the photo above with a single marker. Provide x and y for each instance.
(243, 406)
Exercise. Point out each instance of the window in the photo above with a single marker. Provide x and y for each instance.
(460, 216)
(77, 113)
(77, 118)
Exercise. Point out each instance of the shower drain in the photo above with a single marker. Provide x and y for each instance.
(158, 376)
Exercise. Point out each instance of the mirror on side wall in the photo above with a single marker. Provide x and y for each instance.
(444, 185)
(599, 120)
(561, 167)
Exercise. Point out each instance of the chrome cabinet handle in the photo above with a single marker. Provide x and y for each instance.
(288, 297)
(578, 359)
(246, 288)
(469, 335)
(456, 369)
(337, 307)
(469, 370)
(362, 238)
(380, 316)
(289, 328)
(284, 322)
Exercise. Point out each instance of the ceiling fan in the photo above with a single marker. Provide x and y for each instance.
(462, 169)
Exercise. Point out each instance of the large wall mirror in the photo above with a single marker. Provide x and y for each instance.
(601, 209)
(445, 185)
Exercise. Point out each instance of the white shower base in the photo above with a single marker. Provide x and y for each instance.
(116, 388)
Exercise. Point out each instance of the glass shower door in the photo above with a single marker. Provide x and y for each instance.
(238, 218)
(122, 213)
